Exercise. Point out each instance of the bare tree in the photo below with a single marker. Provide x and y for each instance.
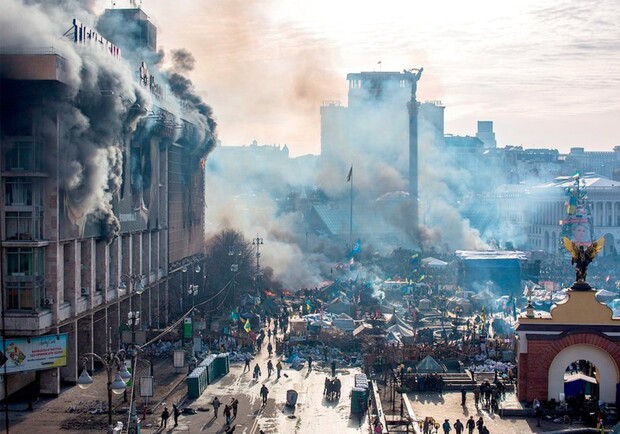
(229, 262)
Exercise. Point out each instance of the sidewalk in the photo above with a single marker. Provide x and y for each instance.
(85, 411)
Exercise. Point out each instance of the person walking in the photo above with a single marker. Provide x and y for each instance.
(458, 427)
(256, 372)
(269, 368)
(463, 395)
(247, 363)
(235, 406)
(480, 425)
(269, 335)
(227, 414)
(471, 425)
(216, 407)
(164, 418)
(175, 414)
(309, 363)
(446, 427)
(278, 369)
(269, 349)
(263, 393)
(333, 368)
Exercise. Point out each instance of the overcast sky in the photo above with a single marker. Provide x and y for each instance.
(547, 73)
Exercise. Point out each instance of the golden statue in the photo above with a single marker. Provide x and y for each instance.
(581, 258)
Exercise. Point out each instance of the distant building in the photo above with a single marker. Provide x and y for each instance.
(604, 163)
(376, 118)
(547, 203)
(431, 124)
(486, 134)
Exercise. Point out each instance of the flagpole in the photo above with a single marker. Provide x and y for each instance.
(351, 211)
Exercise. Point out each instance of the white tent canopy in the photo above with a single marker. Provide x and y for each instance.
(434, 262)
(579, 376)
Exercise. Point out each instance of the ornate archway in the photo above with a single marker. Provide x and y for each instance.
(578, 327)
(607, 370)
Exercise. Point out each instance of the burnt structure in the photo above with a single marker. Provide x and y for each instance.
(102, 197)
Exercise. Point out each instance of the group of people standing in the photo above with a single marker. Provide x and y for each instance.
(459, 427)
(165, 415)
(489, 395)
(332, 388)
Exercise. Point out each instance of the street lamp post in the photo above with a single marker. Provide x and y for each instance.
(192, 263)
(235, 253)
(193, 291)
(257, 242)
(116, 383)
(136, 283)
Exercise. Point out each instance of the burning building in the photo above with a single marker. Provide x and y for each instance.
(102, 185)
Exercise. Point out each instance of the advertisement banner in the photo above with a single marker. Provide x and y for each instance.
(27, 354)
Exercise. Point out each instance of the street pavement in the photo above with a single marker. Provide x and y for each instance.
(448, 406)
(69, 413)
(312, 413)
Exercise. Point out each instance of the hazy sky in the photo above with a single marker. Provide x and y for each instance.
(547, 73)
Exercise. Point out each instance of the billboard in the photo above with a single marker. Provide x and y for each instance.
(27, 354)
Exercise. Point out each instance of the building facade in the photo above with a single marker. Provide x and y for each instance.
(100, 217)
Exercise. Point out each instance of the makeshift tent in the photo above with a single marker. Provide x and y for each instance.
(576, 383)
(428, 365)
(393, 338)
(396, 319)
(464, 304)
(339, 305)
(344, 322)
(402, 331)
(434, 263)
(363, 328)
(425, 304)
(299, 326)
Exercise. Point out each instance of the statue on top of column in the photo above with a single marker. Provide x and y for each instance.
(414, 77)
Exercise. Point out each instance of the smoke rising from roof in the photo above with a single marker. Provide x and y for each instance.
(98, 109)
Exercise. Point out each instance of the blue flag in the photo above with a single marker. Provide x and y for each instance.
(357, 247)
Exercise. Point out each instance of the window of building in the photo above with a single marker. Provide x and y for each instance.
(22, 191)
(24, 225)
(24, 279)
(22, 155)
